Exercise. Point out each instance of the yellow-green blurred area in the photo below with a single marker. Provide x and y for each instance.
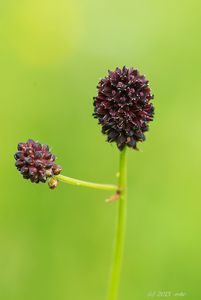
(57, 245)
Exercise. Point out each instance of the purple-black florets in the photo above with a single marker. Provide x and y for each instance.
(123, 107)
(36, 162)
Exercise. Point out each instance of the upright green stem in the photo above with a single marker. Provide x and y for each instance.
(120, 229)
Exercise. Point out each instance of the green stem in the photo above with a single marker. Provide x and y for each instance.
(120, 229)
(92, 185)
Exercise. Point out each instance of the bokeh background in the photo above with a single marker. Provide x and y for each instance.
(58, 244)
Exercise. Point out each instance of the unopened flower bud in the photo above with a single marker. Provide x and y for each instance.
(53, 182)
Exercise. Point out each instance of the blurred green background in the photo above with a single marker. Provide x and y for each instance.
(58, 244)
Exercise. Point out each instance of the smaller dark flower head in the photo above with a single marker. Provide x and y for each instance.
(123, 107)
(36, 162)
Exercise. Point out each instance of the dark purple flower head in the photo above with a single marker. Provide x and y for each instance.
(123, 107)
(35, 161)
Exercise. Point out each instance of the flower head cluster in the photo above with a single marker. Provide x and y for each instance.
(123, 107)
(36, 162)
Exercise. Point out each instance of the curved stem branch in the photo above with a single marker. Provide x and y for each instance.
(92, 185)
(120, 229)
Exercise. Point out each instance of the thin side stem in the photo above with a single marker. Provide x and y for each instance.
(120, 229)
(92, 185)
